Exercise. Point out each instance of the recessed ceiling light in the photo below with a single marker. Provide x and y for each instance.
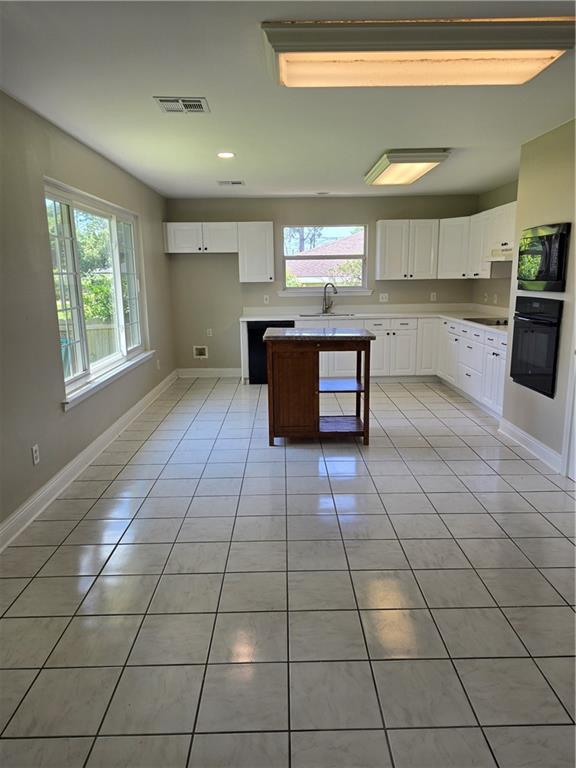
(416, 52)
(404, 166)
(226, 155)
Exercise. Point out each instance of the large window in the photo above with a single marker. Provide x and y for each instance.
(317, 255)
(95, 273)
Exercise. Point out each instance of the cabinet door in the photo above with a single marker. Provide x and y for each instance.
(220, 236)
(478, 264)
(183, 237)
(490, 378)
(295, 386)
(403, 353)
(426, 346)
(392, 249)
(380, 354)
(423, 249)
(453, 247)
(448, 359)
(256, 251)
(503, 227)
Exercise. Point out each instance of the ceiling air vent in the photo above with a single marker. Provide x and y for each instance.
(189, 104)
(232, 183)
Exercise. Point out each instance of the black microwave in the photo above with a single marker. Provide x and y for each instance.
(542, 257)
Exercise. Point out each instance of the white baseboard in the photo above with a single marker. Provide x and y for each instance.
(540, 451)
(37, 503)
(207, 373)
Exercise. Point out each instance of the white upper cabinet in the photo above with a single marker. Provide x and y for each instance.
(500, 232)
(423, 249)
(183, 237)
(220, 236)
(453, 247)
(478, 263)
(256, 251)
(406, 249)
(392, 249)
(201, 237)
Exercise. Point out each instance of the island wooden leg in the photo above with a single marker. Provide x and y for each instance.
(367, 394)
(358, 378)
(270, 377)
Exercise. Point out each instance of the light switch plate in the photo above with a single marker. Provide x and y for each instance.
(383, 297)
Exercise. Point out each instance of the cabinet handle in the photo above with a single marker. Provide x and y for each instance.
(393, 333)
(476, 334)
(467, 374)
(411, 275)
(464, 330)
(503, 244)
(269, 278)
(205, 247)
(455, 338)
(468, 346)
(490, 338)
(463, 274)
(199, 247)
(405, 275)
(387, 333)
(476, 274)
(495, 354)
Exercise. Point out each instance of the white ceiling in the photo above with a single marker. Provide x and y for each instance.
(93, 68)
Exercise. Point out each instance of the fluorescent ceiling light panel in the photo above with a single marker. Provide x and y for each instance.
(349, 69)
(416, 52)
(404, 166)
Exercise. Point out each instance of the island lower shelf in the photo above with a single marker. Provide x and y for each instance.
(338, 425)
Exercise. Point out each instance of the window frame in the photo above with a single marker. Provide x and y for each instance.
(314, 290)
(92, 374)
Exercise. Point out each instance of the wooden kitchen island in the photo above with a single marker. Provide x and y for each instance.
(294, 383)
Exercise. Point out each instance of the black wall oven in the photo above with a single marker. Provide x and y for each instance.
(542, 256)
(535, 343)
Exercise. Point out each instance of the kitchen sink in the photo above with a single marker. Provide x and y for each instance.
(329, 314)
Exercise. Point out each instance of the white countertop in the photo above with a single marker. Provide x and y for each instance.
(456, 312)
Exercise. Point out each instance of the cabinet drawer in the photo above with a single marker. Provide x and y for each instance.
(470, 381)
(477, 335)
(495, 340)
(465, 330)
(451, 326)
(410, 324)
(471, 354)
(377, 326)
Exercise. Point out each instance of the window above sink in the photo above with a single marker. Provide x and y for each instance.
(315, 255)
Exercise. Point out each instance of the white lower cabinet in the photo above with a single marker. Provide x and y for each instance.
(448, 354)
(341, 364)
(494, 375)
(403, 353)
(427, 347)
(470, 381)
(474, 361)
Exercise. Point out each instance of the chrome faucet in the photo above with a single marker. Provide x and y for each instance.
(328, 301)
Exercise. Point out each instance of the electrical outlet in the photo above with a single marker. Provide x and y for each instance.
(266, 299)
(208, 331)
(485, 298)
(35, 454)
(433, 295)
(383, 297)
(495, 299)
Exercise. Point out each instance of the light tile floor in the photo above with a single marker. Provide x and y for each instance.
(197, 598)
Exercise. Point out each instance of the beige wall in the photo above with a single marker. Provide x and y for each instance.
(205, 288)
(31, 373)
(506, 193)
(546, 196)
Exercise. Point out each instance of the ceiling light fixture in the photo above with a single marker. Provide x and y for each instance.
(419, 52)
(404, 166)
(226, 155)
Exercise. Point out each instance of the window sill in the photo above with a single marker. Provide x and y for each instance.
(76, 396)
(285, 292)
